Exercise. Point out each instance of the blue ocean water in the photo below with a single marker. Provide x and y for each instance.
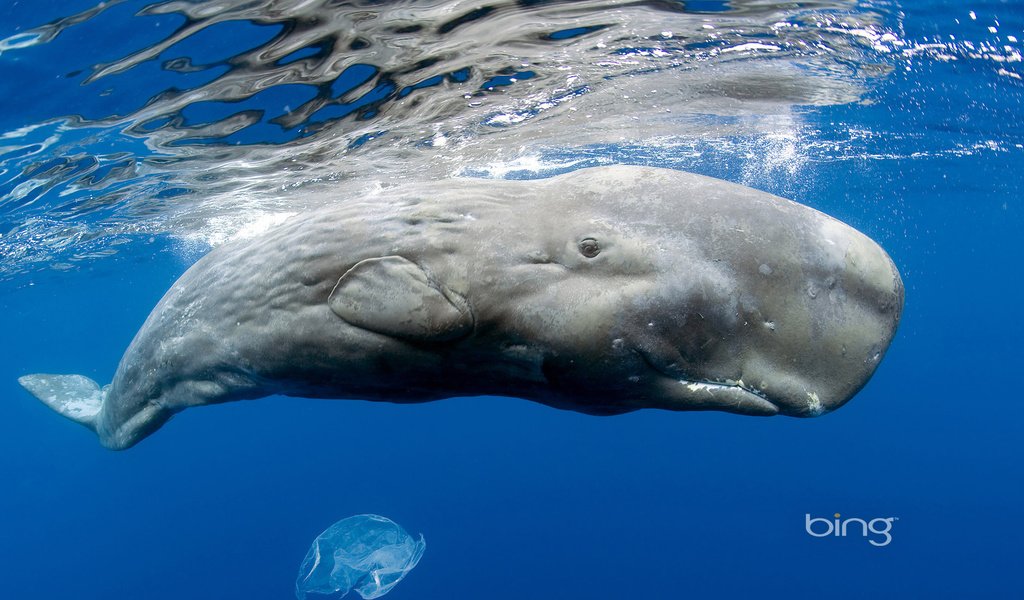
(516, 500)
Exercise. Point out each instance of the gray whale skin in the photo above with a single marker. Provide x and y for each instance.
(603, 291)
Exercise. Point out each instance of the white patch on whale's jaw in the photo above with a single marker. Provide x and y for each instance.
(814, 406)
(732, 396)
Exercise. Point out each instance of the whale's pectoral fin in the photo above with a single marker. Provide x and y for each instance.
(74, 396)
(396, 297)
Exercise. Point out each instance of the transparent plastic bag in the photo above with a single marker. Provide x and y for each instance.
(366, 553)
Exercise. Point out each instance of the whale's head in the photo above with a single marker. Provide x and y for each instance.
(663, 289)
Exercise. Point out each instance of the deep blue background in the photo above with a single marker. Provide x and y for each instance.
(517, 500)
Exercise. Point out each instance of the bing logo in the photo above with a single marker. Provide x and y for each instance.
(878, 530)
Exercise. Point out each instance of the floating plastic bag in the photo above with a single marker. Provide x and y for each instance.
(366, 553)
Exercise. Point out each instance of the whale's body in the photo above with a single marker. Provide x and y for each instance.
(604, 290)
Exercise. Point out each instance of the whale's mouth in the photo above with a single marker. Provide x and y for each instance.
(144, 422)
(728, 395)
(733, 396)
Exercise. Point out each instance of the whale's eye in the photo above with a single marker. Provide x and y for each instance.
(589, 247)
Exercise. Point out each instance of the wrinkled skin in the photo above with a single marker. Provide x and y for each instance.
(603, 291)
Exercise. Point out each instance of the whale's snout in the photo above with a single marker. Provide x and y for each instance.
(790, 313)
(121, 432)
(828, 338)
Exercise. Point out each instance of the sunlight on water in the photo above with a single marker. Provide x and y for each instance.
(210, 120)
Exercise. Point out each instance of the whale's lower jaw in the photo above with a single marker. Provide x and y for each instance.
(83, 401)
(679, 393)
(730, 396)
